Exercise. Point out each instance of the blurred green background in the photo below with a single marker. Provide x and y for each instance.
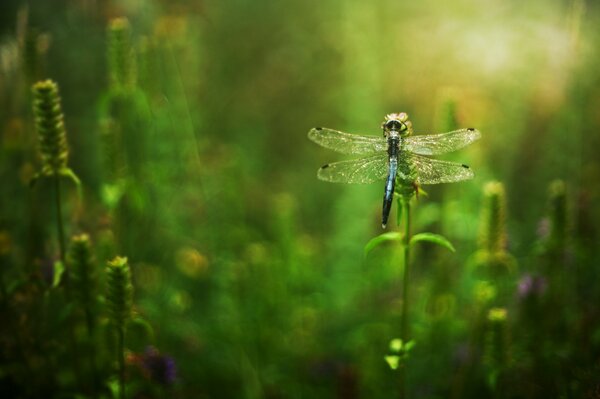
(252, 272)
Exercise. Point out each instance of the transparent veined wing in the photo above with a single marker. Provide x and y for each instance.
(434, 144)
(347, 143)
(364, 170)
(434, 171)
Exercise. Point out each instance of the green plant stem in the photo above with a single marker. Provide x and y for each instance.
(90, 329)
(62, 255)
(121, 355)
(59, 223)
(404, 331)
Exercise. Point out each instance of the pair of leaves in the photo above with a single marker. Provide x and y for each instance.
(400, 352)
(64, 172)
(399, 237)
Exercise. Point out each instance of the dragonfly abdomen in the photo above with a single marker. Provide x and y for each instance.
(388, 195)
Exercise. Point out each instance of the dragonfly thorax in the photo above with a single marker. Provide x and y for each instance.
(397, 123)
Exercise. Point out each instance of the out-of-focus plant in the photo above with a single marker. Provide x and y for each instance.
(121, 59)
(119, 297)
(400, 347)
(84, 279)
(496, 356)
(492, 261)
(125, 125)
(554, 230)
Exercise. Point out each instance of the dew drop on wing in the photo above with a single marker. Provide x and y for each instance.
(470, 129)
(318, 128)
(465, 166)
(325, 166)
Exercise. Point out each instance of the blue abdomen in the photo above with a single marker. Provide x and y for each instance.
(388, 195)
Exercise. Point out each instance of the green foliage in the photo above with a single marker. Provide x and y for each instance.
(187, 122)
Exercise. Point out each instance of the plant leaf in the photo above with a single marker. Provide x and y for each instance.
(393, 361)
(434, 238)
(59, 269)
(375, 241)
(396, 345)
(70, 175)
(409, 345)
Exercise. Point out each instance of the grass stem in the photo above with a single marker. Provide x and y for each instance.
(59, 223)
(121, 355)
(404, 329)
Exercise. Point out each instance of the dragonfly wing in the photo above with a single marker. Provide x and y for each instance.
(434, 171)
(347, 143)
(435, 144)
(364, 170)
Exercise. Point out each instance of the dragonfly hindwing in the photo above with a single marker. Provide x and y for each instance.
(434, 171)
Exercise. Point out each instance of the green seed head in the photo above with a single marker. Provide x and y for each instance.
(120, 57)
(497, 315)
(82, 269)
(493, 225)
(50, 127)
(120, 290)
(147, 66)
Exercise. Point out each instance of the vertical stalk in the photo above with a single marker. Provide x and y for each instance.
(119, 297)
(59, 223)
(92, 359)
(404, 330)
(62, 255)
(121, 355)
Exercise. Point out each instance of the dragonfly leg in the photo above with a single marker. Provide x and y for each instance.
(416, 188)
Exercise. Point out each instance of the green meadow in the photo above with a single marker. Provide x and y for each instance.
(163, 232)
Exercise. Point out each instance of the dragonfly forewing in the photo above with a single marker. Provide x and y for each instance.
(364, 170)
(435, 144)
(434, 171)
(347, 143)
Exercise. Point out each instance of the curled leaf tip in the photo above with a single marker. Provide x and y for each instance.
(433, 238)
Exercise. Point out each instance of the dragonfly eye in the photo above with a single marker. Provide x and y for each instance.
(393, 125)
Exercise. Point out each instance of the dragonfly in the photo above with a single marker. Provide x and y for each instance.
(398, 157)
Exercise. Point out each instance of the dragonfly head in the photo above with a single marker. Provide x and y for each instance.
(398, 123)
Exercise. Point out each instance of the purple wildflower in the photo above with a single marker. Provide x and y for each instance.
(158, 367)
(531, 286)
(543, 229)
